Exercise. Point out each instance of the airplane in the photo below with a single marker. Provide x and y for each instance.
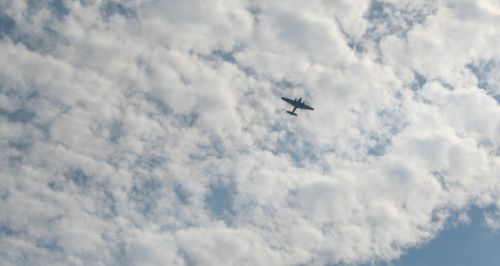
(296, 104)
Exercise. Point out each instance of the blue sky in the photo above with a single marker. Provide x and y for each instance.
(465, 244)
(152, 132)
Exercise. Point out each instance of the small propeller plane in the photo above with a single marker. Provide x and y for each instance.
(296, 104)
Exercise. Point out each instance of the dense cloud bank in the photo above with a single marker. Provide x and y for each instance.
(151, 132)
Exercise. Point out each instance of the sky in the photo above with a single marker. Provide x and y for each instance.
(471, 243)
(151, 132)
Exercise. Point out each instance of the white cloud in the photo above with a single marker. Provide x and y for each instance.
(152, 133)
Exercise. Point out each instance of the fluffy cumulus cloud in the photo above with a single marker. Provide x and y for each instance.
(152, 133)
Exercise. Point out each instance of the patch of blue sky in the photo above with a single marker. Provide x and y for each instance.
(230, 58)
(227, 56)
(7, 25)
(79, 178)
(215, 149)
(300, 150)
(419, 81)
(4, 193)
(111, 8)
(33, 41)
(484, 71)
(58, 8)
(20, 115)
(220, 201)
(116, 131)
(379, 148)
(181, 194)
(49, 243)
(144, 194)
(466, 244)
(109, 202)
(7, 230)
(392, 19)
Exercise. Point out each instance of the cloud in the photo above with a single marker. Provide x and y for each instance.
(151, 132)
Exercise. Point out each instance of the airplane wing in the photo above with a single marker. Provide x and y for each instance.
(307, 107)
(289, 101)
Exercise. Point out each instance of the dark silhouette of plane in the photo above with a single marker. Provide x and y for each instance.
(296, 104)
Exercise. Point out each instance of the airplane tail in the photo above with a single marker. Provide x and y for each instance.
(291, 113)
